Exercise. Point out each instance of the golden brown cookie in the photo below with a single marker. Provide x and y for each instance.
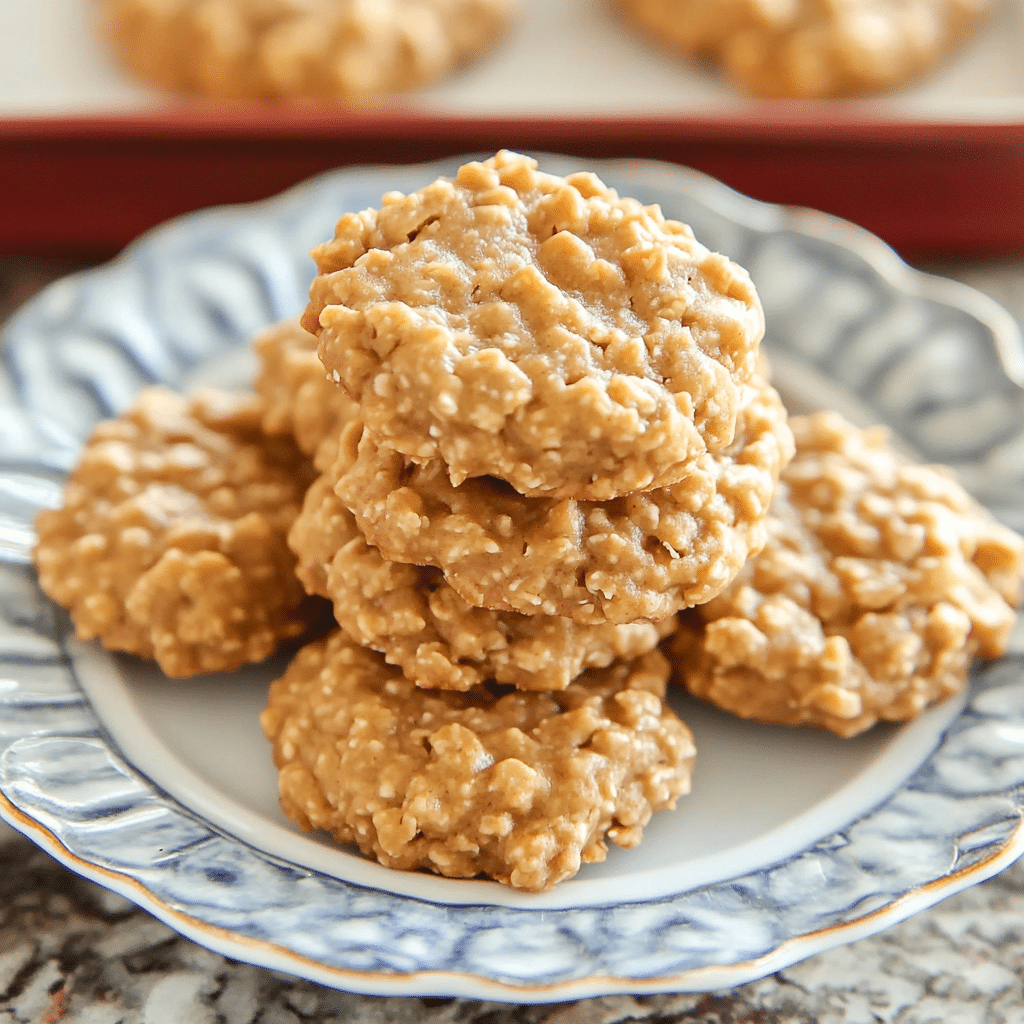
(537, 329)
(523, 787)
(643, 556)
(171, 542)
(299, 49)
(298, 397)
(879, 582)
(420, 624)
(813, 48)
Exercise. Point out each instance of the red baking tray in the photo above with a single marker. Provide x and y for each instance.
(86, 185)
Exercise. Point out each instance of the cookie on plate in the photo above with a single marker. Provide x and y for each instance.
(299, 399)
(879, 582)
(411, 615)
(536, 329)
(171, 541)
(299, 49)
(642, 556)
(521, 787)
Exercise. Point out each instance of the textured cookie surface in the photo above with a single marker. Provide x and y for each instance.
(879, 582)
(813, 48)
(298, 397)
(420, 624)
(537, 329)
(299, 49)
(644, 556)
(523, 787)
(171, 542)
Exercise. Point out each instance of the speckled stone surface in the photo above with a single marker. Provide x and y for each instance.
(72, 952)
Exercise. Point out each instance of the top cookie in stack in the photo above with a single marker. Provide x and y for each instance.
(537, 329)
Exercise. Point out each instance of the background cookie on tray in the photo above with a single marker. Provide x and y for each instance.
(813, 48)
(299, 49)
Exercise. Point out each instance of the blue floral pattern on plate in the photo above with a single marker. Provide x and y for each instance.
(936, 361)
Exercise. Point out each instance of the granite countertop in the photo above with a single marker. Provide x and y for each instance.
(72, 952)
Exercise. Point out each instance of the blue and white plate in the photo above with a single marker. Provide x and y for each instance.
(791, 842)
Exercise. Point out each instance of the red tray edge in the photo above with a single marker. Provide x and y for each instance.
(86, 185)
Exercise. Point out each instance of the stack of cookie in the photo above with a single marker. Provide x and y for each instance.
(555, 438)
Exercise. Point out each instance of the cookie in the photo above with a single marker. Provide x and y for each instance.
(813, 48)
(537, 329)
(521, 787)
(879, 582)
(299, 399)
(411, 615)
(643, 556)
(299, 49)
(171, 541)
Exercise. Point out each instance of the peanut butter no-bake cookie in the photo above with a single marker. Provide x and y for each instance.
(299, 49)
(879, 582)
(409, 613)
(645, 555)
(171, 542)
(813, 48)
(537, 329)
(523, 787)
(298, 397)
